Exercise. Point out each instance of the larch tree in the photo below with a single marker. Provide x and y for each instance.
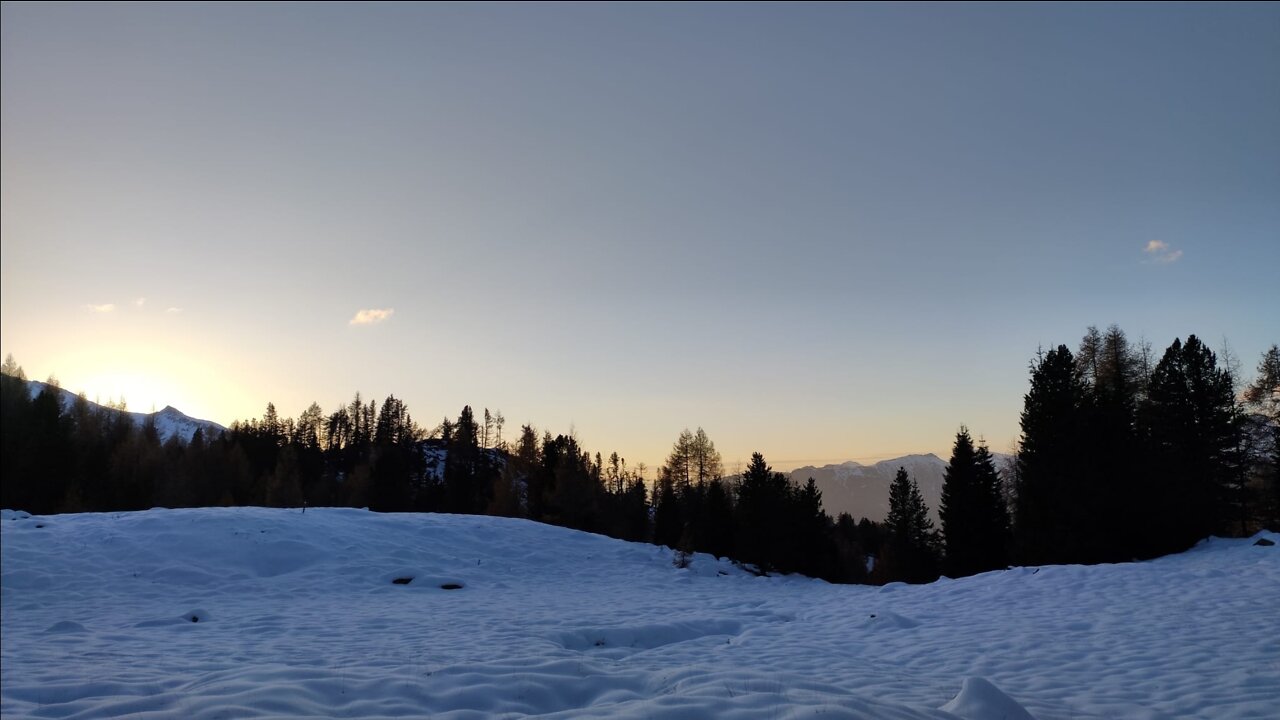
(1262, 398)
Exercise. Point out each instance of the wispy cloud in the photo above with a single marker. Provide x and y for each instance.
(105, 308)
(372, 316)
(174, 310)
(139, 302)
(1159, 252)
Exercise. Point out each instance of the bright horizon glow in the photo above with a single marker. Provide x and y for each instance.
(820, 232)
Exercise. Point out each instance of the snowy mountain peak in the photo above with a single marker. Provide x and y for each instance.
(909, 461)
(169, 422)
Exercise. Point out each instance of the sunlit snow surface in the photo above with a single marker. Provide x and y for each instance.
(231, 613)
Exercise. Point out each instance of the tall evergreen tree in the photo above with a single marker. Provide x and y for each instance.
(994, 528)
(764, 498)
(1192, 426)
(957, 507)
(975, 520)
(668, 513)
(911, 554)
(1113, 487)
(1050, 505)
(908, 519)
(467, 481)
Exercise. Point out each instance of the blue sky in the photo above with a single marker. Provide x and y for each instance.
(818, 231)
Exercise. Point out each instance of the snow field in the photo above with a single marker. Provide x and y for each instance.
(250, 612)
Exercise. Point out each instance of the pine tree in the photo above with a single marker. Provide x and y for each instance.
(1118, 488)
(668, 515)
(975, 519)
(911, 551)
(761, 514)
(1191, 422)
(908, 520)
(467, 477)
(718, 518)
(1050, 509)
(957, 508)
(993, 532)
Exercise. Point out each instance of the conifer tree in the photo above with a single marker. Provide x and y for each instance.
(680, 463)
(1052, 513)
(764, 500)
(908, 520)
(957, 507)
(668, 516)
(1113, 484)
(1192, 426)
(975, 519)
(993, 531)
(911, 555)
(468, 485)
(705, 459)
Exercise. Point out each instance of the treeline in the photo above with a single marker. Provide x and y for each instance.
(1121, 457)
(88, 457)
(1124, 456)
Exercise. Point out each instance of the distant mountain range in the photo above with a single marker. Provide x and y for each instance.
(170, 422)
(863, 490)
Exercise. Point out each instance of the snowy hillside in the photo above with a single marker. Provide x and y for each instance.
(245, 612)
(170, 422)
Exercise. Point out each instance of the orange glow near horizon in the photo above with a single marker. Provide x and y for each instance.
(148, 379)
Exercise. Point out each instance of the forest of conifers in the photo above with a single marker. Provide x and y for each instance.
(1122, 456)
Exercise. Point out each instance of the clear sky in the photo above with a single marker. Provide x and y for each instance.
(824, 232)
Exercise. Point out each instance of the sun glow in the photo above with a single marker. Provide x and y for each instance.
(138, 391)
(148, 377)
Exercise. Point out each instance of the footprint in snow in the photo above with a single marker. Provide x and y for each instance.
(889, 620)
(190, 617)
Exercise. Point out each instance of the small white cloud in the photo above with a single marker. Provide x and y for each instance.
(139, 302)
(174, 310)
(1160, 253)
(372, 316)
(105, 308)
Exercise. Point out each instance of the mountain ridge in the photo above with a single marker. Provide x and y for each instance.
(863, 490)
(169, 422)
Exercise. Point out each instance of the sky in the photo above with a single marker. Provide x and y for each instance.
(821, 232)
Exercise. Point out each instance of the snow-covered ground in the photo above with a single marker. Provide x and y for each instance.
(232, 613)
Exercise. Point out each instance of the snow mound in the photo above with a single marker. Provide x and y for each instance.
(980, 700)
